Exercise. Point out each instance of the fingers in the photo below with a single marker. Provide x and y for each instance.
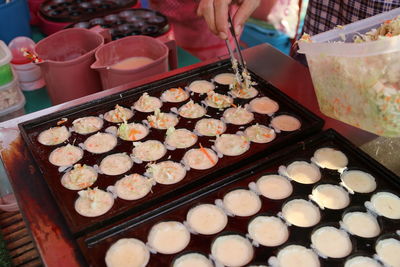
(246, 8)
(206, 9)
(221, 9)
(215, 13)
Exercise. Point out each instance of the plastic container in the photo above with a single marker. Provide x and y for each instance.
(34, 6)
(29, 75)
(357, 83)
(6, 74)
(7, 198)
(254, 35)
(67, 56)
(12, 101)
(164, 56)
(14, 20)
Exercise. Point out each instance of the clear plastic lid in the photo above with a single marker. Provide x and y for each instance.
(17, 47)
(5, 54)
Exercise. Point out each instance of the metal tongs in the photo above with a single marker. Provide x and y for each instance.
(240, 61)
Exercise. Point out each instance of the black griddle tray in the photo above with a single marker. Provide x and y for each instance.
(94, 246)
(161, 193)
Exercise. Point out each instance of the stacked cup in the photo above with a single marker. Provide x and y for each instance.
(29, 75)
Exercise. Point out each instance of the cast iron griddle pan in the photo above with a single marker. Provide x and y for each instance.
(75, 10)
(94, 246)
(65, 198)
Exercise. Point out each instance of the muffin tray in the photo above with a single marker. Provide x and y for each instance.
(94, 246)
(160, 193)
(129, 22)
(75, 10)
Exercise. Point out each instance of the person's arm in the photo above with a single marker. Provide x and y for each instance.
(215, 13)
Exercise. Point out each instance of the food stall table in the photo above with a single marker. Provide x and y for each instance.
(45, 223)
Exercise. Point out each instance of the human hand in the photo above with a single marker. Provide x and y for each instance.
(215, 12)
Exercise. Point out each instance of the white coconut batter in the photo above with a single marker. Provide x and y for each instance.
(386, 204)
(201, 86)
(388, 251)
(168, 237)
(133, 187)
(238, 116)
(362, 261)
(87, 125)
(301, 213)
(65, 156)
(242, 202)
(80, 177)
(330, 158)
(162, 120)
(303, 172)
(54, 136)
(132, 131)
(297, 256)
(180, 138)
(260, 134)
(361, 224)
(100, 143)
(285, 123)
(200, 158)
(116, 164)
(119, 114)
(268, 231)
(192, 110)
(127, 252)
(264, 105)
(219, 101)
(150, 150)
(274, 186)
(331, 196)
(232, 144)
(192, 260)
(358, 181)
(210, 127)
(332, 242)
(232, 250)
(93, 202)
(166, 172)
(174, 95)
(207, 219)
(225, 78)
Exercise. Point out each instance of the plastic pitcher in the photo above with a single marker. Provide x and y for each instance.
(67, 56)
(162, 54)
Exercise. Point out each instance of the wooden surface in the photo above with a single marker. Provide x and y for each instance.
(19, 243)
(53, 241)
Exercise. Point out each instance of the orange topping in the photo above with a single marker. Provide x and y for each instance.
(63, 120)
(202, 149)
(267, 135)
(132, 134)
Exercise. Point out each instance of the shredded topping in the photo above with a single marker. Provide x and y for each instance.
(191, 110)
(162, 120)
(218, 101)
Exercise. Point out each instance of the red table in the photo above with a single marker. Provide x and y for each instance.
(54, 242)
